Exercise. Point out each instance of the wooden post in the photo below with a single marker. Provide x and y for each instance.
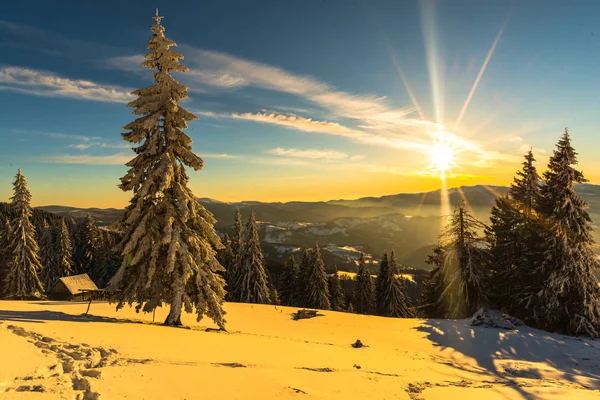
(89, 304)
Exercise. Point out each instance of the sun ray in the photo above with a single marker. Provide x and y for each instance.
(464, 198)
(492, 191)
(444, 201)
(480, 74)
(418, 208)
(434, 65)
(412, 96)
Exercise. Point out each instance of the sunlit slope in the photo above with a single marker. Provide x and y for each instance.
(49, 347)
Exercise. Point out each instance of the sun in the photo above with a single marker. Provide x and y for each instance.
(442, 157)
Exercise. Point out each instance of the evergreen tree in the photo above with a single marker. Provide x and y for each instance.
(252, 281)
(288, 282)
(233, 273)
(273, 292)
(63, 252)
(336, 296)
(105, 261)
(303, 278)
(91, 243)
(224, 255)
(49, 272)
(429, 301)
(169, 243)
(21, 279)
(364, 298)
(391, 296)
(4, 235)
(456, 286)
(515, 237)
(350, 309)
(568, 299)
(317, 291)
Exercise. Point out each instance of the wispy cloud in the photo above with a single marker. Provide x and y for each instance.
(114, 159)
(44, 83)
(312, 154)
(217, 155)
(86, 145)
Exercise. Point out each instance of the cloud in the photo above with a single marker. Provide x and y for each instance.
(312, 154)
(296, 122)
(86, 145)
(216, 155)
(42, 83)
(115, 159)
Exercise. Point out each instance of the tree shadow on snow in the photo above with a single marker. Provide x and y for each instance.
(46, 315)
(571, 356)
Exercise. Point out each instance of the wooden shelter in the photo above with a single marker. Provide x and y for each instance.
(76, 287)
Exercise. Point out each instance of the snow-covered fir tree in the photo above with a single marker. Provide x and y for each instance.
(234, 267)
(91, 242)
(169, 243)
(288, 282)
(303, 277)
(21, 279)
(4, 235)
(252, 281)
(317, 290)
(336, 295)
(515, 238)
(456, 287)
(364, 295)
(430, 304)
(391, 297)
(49, 272)
(105, 261)
(273, 292)
(568, 299)
(63, 260)
(224, 255)
(77, 250)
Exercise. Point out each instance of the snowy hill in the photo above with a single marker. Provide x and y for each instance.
(51, 352)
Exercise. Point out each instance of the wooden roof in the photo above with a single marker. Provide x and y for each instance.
(77, 283)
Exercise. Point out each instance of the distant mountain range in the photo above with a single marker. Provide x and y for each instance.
(407, 222)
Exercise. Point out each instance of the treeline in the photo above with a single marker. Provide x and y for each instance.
(305, 282)
(534, 261)
(37, 248)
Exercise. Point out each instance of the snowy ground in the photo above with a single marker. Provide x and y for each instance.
(49, 351)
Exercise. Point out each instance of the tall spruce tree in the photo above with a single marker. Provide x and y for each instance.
(515, 236)
(288, 282)
(169, 241)
(568, 299)
(49, 272)
(390, 293)
(91, 242)
(234, 268)
(364, 297)
(456, 287)
(252, 281)
(4, 237)
(63, 260)
(317, 291)
(336, 295)
(303, 278)
(224, 255)
(21, 280)
(105, 261)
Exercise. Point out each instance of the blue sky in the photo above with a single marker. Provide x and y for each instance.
(301, 100)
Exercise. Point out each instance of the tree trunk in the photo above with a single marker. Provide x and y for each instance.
(174, 317)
